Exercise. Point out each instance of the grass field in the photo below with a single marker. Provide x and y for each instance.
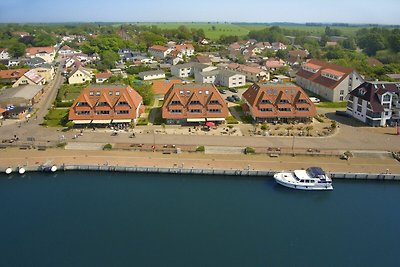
(242, 30)
(220, 28)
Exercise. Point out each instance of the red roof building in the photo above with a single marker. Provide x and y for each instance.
(105, 104)
(330, 81)
(11, 76)
(161, 87)
(194, 103)
(273, 102)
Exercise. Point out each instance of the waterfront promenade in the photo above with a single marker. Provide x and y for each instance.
(15, 157)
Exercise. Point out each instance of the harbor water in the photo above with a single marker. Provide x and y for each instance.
(134, 219)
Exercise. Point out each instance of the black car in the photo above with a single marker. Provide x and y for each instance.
(236, 97)
(234, 90)
(230, 99)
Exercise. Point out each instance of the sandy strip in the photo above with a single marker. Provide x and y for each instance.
(15, 157)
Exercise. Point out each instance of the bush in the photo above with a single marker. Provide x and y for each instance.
(61, 144)
(318, 118)
(142, 121)
(333, 124)
(249, 150)
(107, 147)
(200, 149)
(231, 120)
(63, 104)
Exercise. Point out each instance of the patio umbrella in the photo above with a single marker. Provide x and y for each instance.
(210, 124)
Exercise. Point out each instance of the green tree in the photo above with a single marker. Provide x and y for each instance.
(371, 43)
(109, 58)
(17, 50)
(282, 54)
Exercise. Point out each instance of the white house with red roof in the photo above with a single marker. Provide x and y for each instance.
(159, 51)
(330, 81)
(48, 53)
(31, 77)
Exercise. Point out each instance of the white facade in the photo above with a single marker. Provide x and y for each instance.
(182, 71)
(230, 80)
(146, 76)
(4, 54)
(80, 76)
(205, 77)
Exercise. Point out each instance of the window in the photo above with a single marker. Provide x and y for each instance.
(117, 93)
(351, 98)
(341, 92)
(195, 102)
(195, 111)
(302, 101)
(265, 109)
(97, 93)
(181, 92)
(302, 109)
(265, 101)
(386, 98)
(341, 98)
(175, 102)
(386, 105)
(283, 101)
(214, 110)
(359, 101)
(187, 92)
(101, 104)
(102, 112)
(359, 108)
(110, 93)
(85, 112)
(91, 93)
(122, 103)
(176, 111)
(284, 109)
(82, 104)
(122, 111)
(214, 102)
(207, 92)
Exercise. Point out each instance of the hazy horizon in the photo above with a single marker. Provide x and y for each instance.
(258, 11)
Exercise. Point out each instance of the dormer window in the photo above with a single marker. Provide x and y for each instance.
(91, 93)
(265, 101)
(175, 102)
(117, 93)
(195, 102)
(214, 102)
(101, 104)
(283, 101)
(98, 93)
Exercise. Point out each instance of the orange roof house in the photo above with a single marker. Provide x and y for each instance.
(332, 82)
(194, 103)
(12, 75)
(105, 104)
(161, 87)
(273, 102)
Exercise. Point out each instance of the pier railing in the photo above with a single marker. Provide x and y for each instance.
(222, 172)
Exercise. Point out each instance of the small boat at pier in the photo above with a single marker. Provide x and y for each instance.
(21, 170)
(314, 178)
(8, 170)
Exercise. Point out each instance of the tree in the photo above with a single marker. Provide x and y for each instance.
(282, 54)
(371, 43)
(349, 43)
(109, 58)
(17, 50)
(394, 40)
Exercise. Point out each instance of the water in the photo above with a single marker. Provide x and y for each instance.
(116, 219)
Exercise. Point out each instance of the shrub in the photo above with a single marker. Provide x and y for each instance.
(61, 144)
(231, 120)
(333, 124)
(318, 118)
(200, 149)
(142, 121)
(249, 150)
(107, 147)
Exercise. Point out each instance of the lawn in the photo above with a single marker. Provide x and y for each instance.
(210, 32)
(57, 117)
(332, 104)
(69, 92)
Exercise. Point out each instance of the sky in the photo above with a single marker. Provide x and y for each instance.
(298, 11)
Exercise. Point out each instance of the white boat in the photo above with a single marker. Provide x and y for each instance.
(314, 178)
(21, 170)
(8, 170)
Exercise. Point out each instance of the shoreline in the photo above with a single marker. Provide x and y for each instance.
(12, 157)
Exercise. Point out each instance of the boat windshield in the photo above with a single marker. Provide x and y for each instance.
(316, 172)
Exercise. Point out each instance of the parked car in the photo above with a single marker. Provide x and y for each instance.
(236, 97)
(234, 90)
(315, 100)
(230, 99)
(222, 91)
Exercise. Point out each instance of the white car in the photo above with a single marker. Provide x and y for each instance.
(315, 100)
